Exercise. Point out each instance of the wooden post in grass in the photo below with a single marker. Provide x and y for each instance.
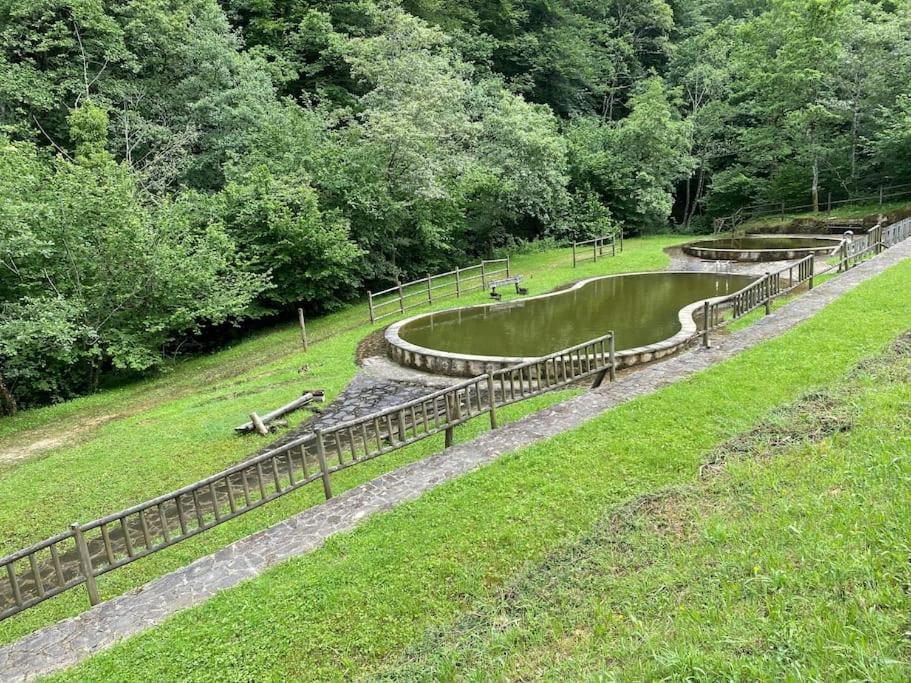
(303, 324)
(429, 289)
(401, 299)
(370, 304)
(574, 254)
(458, 283)
(85, 563)
(258, 424)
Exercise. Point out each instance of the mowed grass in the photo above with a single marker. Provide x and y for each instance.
(359, 601)
(789, 561)
(157, 435)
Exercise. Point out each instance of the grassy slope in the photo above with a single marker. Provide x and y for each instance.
(179, 428)
(791, 562)
(366, 595)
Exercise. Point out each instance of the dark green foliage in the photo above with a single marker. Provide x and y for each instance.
(296, 152)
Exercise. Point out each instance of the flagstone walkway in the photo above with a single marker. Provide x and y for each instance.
(70, 641)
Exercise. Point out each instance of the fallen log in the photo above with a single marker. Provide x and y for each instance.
(314, 395)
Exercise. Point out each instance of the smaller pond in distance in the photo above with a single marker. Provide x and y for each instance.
(753, 243)
(761, 247)
(641, 309)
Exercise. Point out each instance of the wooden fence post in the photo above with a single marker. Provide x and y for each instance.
(321, 457)
(85, 563)
(370, 304)
(507, 266)
(429, 290)
(483, 279)
(613, 360)
(706, 342)
(447, 440)
(401, 418)
(812, 271)
(303, 324)
(401, 299)
(491, 399)
(768, 293)
(574, 254)
(458, 284)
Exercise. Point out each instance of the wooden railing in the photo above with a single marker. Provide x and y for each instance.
(593, 249)
(534, 377)
(883, 194)
(408, 295)
(86, 551)
(719, 312)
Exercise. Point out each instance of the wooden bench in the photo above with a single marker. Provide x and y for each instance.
(512, 280)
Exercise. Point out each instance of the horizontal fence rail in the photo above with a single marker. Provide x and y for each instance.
(454, 283)
(882, 195)
(593, 249)
(761, 293)
(557, 370)
(86, 551)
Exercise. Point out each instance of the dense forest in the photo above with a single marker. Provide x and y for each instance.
(171, 168)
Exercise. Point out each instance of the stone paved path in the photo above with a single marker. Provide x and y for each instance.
(365, 394)
(70, 641)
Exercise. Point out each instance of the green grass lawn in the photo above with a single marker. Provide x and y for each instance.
(789, 561)
(359, 602)
(157, 435)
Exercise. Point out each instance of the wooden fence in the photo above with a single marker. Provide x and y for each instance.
(408, 295)
(762, 292)
(86, 551)
(883, 194)
(593, 249)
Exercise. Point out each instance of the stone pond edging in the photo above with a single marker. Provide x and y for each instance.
(701, 249)
(467, 365)
(68, 642)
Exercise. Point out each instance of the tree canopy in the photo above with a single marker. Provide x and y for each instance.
(172, 167)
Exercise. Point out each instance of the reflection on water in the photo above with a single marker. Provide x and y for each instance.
(641, 309)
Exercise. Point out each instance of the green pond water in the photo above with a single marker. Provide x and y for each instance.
(640, 309)
(754, 243)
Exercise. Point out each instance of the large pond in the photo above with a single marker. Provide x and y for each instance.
(640, 308)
